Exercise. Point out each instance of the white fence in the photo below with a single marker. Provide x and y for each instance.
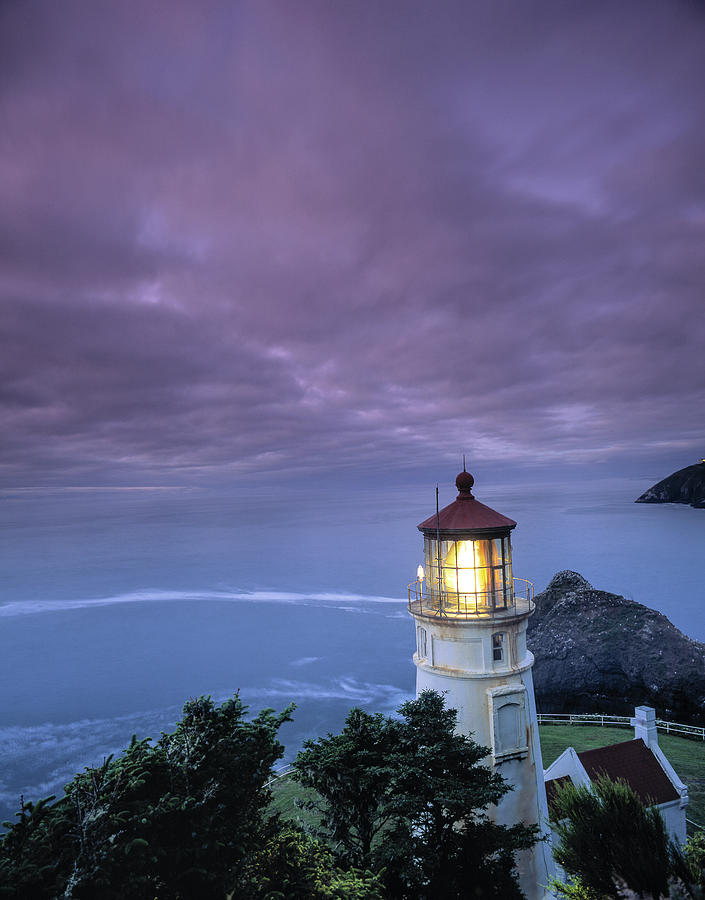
(280, 772)
(694, 732)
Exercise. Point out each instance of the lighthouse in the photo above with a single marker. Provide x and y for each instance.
(471, 616)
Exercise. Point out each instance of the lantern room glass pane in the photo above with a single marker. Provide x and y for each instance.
(469, 576)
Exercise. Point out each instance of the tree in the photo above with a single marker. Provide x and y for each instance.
(410, 797)
(29, 852)
(293, 865)
(573, 890)
(351, 773)
(694, 852)
(177, 819)
(608, 840)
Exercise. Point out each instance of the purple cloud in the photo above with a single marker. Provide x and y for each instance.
(238, 237)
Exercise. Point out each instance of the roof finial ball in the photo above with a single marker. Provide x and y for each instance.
(464, 483)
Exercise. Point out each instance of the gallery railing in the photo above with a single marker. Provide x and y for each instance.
(432, 602)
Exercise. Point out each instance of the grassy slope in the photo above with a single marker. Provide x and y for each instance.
(285, 793)
(687, 757)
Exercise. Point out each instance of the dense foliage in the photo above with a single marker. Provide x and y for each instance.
(184, 818)
(694, 851)
(292, 865)
(188, 817)
(409, 798)
(614, 846)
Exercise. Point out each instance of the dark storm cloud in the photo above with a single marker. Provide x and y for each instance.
(244, 236)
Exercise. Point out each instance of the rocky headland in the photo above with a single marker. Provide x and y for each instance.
(599, 652)
(684, 486)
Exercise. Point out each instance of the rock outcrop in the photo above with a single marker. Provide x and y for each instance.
(599, 652)
(684, 486)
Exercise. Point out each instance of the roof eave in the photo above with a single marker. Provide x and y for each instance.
(431, 530)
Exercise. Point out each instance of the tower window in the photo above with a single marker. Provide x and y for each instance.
(423, 643)
(498, 646)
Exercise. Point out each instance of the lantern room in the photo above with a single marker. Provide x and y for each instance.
(467, 570)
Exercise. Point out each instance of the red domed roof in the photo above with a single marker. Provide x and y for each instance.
(466, 513)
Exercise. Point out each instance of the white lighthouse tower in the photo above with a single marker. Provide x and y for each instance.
(471, 617)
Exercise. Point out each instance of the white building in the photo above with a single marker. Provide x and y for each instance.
(471, 619)
(641, 763)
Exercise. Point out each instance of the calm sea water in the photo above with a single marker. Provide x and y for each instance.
(117, 606)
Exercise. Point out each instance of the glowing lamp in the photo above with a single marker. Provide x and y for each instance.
(468, 558)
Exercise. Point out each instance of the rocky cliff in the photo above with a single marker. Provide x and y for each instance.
(684, 486)
(599, 652)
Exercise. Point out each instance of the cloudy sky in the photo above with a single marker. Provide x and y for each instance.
(248, 237)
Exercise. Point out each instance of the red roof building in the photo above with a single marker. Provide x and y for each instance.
(635, 763)
(640, 763)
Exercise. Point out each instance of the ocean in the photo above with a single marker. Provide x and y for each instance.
(119, 605)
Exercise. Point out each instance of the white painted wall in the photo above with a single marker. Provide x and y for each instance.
(496, 705)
